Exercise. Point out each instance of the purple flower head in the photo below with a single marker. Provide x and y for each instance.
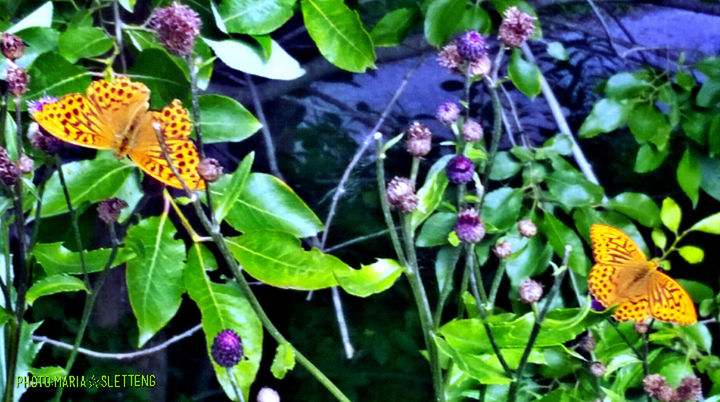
(471, 45)
(37, 105)
(596, 305)
(460, 169)
(227, 348)
(448, 112)
(469, 227)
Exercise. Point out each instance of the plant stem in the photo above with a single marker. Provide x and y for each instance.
(414, 170)
(475, 277)
(73, 220)
(380, 175)
(445, 291)
(495, 141)
(499, 274)
(423, 306)
(512, 394)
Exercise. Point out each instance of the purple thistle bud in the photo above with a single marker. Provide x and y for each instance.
(449, 58)
(587, 343)
(472, 131)
(596, 305)
(597, 369)
(530, 291)
(641, 327)
(9, 171)
(48, 144)
(210, 169)
(471, 45)
(25, 164)
(176, 27)
(448, 112)
(480, 66)
(469, 228)
(109, 210)
(12, 46)
(227, 348)
(517, 26)
(689, 389)
(460, 169)
(502, 249)
(419, 140)
(17, 80)
(37, 105)
(656, 386)
(400, 194)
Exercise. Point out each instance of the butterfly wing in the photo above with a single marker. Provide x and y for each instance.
(612, 246)
(120, 101)
(74, 119)
(669, 301)
(637, 309)
(147, 153)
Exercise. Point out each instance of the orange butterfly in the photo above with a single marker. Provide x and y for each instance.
(622, 275)
(115, 115)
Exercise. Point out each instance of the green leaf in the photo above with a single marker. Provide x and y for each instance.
(47, 371)
(606, 115)
(626, 85)
(501, 208)
(530, 261)
(504, 167)
(154, 275)
(83, 42)
(58, 260)
(709, 66)
(649, 158)
(369, 279)
(223, 306)
(230, 187)
(278, 259)
(692, 254)
(559, 235)
(714, 136)
(128, 5)
(41, 17)
(38, 40)
(670, 214)
(710, 179)
(571, 189)
(268, 203)
(637, 206)
(165, 79)
(27, 351)
(695, 125)
(709, 94)
(524, 74)
(659, 238)
(557, 51)
(685, 80)
(647, 123)
(243, 57)
(475, 18)
(441, 19)
(51, 74)
(435, 230)
(223, 119)
(87, 181)
(393, 27)
(254, 17)
(283, 361)
(689, 176)
(431, 193)
(710, 224)
(339, 34)
(444, 268)
(54, 284)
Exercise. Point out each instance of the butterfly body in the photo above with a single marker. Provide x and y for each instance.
(116, 115)
(623, 276)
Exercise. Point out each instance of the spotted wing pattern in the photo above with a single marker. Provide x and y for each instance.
(637, 309)
(669, 301)
(74, 119)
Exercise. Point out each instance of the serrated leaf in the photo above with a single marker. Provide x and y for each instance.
(54, 284)
(154, 275)
(339, 34)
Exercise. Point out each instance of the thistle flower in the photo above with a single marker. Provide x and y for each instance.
(517, 26)
(480, 66)
(48, 144)
(109, 210)
(448, 112)
(596, 305)
(530, 291)
(25, 164)
(656, 386)
(419, 140)
(17, 80)
(472, 131)
(227, 348)
(527, 228)
(460, 169)
(210, 169)
(12, 46)
(449, 58)
(37, 105)
(597, 369)
(641, 327)
(469, 228)
(9, 171)
(400, 194)
(502, 249)
(689, 389)
(587, 343)
(176, 27)
(471, 45)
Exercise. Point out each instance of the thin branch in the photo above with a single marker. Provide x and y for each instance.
(342, 324)
(121, 356)
(340, 190)
(267, 136)
(73, 220)
(605, 26)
